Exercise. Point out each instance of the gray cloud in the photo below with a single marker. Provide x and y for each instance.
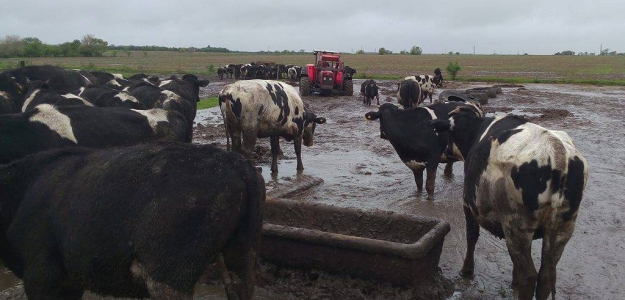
(505, 27)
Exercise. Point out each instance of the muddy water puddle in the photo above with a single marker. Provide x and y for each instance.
(350, 166)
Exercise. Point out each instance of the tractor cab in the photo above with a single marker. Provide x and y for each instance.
(326, 76)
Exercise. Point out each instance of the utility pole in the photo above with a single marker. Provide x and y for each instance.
(473, 49)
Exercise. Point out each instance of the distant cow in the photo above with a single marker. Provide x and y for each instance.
(522, 182)
(427, 84)
(409, 93)
(266, 108)
(369, 90)
(438, 77)
(47, 127)
(220, 72)
(418, 146)
(139, 222)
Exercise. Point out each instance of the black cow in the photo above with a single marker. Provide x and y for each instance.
(369, 89)
(417, 145)
(57, 78)
(266, 108)
(47, 127)
(522, 182)
(438, 77)
(409, 93)
(140, 222)
(220, 72)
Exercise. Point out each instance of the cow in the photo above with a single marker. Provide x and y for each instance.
(409, 93)
(369, 89)
(46, 127)
(417, 145)
(294, 73)
(427, 84)
(220, 72)
(266, 108)
(152, 96)
(38, 93)
(103, 96)
(438, 77)
(522, 182)
(130, 222)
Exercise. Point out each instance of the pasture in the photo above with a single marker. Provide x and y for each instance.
(607, 70)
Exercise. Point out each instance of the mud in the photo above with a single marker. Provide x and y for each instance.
(353, 167)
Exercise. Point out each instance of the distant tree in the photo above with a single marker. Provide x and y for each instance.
(604, 52)
(416, 50)
(11, 46)
(453, 69)
(450, 52)
(457, 53)
(302, 51)
(567, 52)
(92, 46)
(70, 49)
(33, 47)
(360, 51)
(403, 52)
(383, 51)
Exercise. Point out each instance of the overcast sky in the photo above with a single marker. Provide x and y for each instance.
(439, 26)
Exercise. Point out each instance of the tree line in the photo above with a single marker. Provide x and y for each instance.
(88, 46)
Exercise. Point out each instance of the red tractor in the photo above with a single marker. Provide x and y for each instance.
(327, 76)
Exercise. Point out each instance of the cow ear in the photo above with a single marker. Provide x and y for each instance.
(319, 120)
(203, 83)
(440, 125)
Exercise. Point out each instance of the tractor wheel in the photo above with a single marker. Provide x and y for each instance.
(348, 87)
(304, 86)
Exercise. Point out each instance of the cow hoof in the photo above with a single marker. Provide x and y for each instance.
(466, 273)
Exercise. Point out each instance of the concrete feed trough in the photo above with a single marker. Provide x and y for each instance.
(384, 246)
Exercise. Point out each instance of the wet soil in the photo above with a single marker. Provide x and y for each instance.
(353, 167)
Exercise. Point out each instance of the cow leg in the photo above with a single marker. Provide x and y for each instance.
(519, 243)
(275, 151)
(249, 141)
(431, 180)
(163, 291)
(553, 245)
(298, 152)
(418, 178)
(377, 97)
(473, 233)
(449, 169)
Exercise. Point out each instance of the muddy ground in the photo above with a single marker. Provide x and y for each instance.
(358, 169)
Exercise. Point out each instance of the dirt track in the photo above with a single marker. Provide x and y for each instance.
(361, 170)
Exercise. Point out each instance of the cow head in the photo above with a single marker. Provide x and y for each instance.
(196, 83)
(13, 91)
(310, 122)
(462, 125)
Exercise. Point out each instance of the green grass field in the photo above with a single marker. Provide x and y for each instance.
(207, 103)
(607, 70)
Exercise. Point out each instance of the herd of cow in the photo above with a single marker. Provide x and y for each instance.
(259, 70)
(102, 190)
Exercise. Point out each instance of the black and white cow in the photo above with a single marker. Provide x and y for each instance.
(369, 90)
(522, 182)
(418, 146)
(427, 84)
(38, 93)
(138, 222)
(266, 108)
(46, 127)
(220, 72)
(294, 73)
(409, 93)
(103, 96)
